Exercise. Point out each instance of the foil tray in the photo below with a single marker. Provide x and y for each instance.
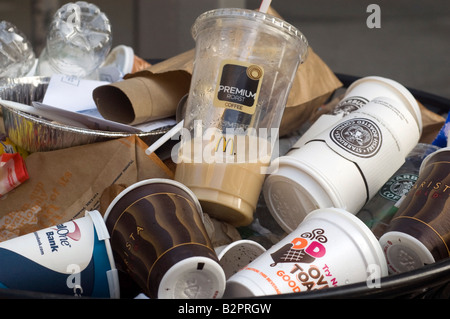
(36, 134)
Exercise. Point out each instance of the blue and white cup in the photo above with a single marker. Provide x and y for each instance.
(73, 258)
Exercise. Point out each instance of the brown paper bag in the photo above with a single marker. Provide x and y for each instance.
(431, 124)
(63, 184)
(313, 85)
(140, 93)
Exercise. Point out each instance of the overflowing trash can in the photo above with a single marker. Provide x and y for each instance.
(244, 168)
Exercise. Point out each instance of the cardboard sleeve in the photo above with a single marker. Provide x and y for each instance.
(155, 92)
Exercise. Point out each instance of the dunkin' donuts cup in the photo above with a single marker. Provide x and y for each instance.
(418, 234)
(331, 247)
(235, 256)
(244, 66)
(159, 239)
(358, 94)
(345, 165)
(73, 258)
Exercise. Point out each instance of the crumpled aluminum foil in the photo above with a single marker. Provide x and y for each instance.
(36, 134)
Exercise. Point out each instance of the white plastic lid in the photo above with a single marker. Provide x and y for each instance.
(193, 278)
(404, 252)
(310, 178)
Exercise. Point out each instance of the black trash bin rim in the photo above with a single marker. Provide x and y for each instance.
(413, 284)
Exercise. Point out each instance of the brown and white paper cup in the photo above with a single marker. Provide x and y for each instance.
(159, 239)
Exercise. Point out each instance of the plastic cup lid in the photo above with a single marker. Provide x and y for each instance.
(404, 252)
(193, 278)
(256, 16)
(289, 201)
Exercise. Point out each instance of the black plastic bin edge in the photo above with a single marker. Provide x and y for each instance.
(430, 281)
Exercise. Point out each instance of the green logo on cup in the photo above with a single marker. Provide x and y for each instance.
(398, 186)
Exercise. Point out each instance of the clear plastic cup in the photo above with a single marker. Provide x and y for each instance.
(331, 247)
(244, 65)
(17, 57)
(78, 41)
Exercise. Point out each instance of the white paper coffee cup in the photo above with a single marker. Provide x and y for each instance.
(235, 256)
(331, 247)
(350, 161)
(371, 87)
(357, 95)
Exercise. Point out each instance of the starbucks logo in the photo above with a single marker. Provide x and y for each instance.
(398, 186)
(349, 105)
(358, 136)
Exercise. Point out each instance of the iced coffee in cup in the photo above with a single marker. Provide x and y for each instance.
(158, 238)
(244, 66)
(418, 234)
(330, 248)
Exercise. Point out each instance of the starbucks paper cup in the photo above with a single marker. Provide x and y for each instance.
(375, 86)
(237, 255)
(346, 164)
(331, 247)
(358, 94)
(73, 258)
(312, 177)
